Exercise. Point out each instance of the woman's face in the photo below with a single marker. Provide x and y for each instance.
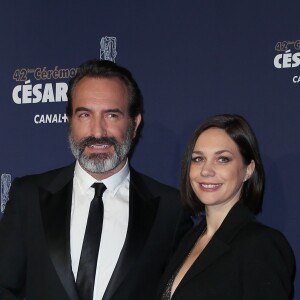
(217, 171)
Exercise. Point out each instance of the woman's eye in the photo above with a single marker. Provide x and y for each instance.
(224, 159)
(197, 159)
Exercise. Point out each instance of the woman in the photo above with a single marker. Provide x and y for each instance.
(229, 255)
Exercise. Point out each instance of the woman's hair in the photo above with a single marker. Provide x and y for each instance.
(241, 133)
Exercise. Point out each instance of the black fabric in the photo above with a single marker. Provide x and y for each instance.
(243, 260)
(35, 254)
(90, 247)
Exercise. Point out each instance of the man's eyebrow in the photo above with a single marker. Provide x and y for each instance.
(81, 108)
(113, 110)
(109, 110)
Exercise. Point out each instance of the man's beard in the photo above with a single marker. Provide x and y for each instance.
(101, 162)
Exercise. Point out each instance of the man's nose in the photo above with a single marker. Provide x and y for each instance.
(98, 127)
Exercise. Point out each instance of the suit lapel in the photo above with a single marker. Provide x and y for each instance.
(210, 254)
(218, 246)
(185, 246)
(55, 202)
(142, 211)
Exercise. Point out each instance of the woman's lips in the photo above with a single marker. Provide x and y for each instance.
(210, 187)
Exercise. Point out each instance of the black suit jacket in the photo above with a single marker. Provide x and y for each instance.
(244, 260)
(35, 256)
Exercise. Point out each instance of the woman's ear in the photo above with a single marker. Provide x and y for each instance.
(249, 171)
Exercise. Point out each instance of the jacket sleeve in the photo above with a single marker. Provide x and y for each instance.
(12, 248)
(269, 268)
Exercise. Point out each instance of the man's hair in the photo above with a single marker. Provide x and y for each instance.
(241, 133)
(107, 69)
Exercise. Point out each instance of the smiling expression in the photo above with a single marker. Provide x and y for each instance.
(101, 129)
(217, 170)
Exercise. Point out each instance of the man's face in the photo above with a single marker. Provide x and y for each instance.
(101, 130)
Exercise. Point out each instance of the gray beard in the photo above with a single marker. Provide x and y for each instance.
(100, 163)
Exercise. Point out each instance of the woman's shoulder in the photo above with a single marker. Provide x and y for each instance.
(256, 230)
(260, 240)
(241, 226)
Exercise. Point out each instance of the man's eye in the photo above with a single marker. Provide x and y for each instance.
(83, 115)
(112, 116)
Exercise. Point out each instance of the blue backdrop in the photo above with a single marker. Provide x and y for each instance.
(191, 59)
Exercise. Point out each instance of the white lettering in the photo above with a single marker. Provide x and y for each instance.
(50, 119)
(36, 91)
(15, 94)
(35, 119)
(296, 79)
(287, 60)
(61, 92)
(48, 95)
(296, 60)
(32, 94)
(27, 93)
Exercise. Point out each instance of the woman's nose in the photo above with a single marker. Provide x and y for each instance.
(207, 169)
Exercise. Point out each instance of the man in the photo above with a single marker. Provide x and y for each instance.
(44, 229)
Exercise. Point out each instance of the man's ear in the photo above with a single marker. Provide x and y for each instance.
(137, 121)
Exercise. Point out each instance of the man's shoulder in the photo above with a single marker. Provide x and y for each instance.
(47, 176)
(144, 181)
